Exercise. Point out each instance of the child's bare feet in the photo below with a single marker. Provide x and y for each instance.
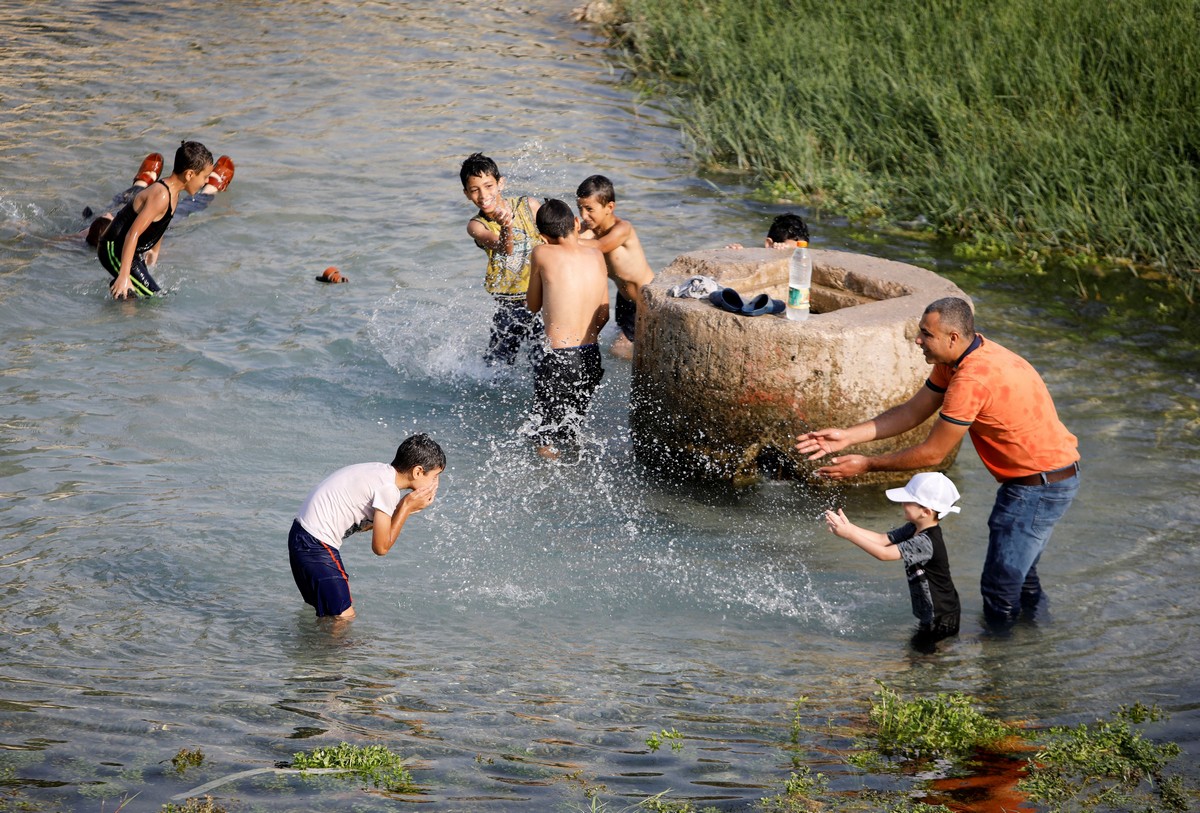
(622, 348)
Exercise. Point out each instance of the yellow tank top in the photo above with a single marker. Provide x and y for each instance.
(508, 274)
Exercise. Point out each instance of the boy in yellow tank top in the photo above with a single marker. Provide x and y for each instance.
(505, 229)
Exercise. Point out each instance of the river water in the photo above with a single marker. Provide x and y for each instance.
(532, 629)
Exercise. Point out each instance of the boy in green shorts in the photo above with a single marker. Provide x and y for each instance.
(140, 225)
(505, 229)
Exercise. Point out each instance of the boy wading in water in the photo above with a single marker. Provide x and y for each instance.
(140, 225)
(569, 287)
(623, 255)
(362, 497)
(927, 498)
(504, 228)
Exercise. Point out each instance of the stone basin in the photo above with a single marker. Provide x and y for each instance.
(718, 395)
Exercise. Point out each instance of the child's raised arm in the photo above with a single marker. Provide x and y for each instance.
(613, 238)
(872, 542)
(485, 238)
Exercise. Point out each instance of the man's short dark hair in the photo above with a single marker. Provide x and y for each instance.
(955, 314)
(555, 219)
(191, 155)
(599, 187)
(419, 450)
(477, 164)
(788, 227)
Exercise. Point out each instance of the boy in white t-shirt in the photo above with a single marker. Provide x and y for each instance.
(362, 497)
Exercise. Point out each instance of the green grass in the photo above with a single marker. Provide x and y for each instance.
(945, 725)
(384, 768)
(1072, 125)
(1106, 766)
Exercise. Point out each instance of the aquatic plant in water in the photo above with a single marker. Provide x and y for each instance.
(205, 805)
(657, 738)
(1105, 766)
(1040, 124)
(185, 759)
(384, 768)
(946, 725)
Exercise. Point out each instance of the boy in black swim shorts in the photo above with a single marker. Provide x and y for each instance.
(623, 255)
(568, 285)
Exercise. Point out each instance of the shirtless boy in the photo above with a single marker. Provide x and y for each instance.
(569, 287)
(504, 228)
(140, 225)
(623, 255)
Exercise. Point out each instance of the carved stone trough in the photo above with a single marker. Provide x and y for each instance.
(718, 395)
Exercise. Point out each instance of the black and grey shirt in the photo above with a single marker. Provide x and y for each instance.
(934, 598)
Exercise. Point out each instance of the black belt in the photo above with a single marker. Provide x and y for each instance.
(1045, 477)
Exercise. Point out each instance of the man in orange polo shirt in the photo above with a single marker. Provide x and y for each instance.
(998, 398)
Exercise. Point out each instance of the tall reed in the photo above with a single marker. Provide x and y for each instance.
(1073, 124)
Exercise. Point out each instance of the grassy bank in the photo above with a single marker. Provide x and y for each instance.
(1064, 124)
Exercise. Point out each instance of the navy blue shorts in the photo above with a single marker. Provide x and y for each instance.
(317, 569)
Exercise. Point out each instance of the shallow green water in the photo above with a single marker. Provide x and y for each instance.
(534, 627)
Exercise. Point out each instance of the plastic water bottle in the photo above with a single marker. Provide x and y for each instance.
(799, 282)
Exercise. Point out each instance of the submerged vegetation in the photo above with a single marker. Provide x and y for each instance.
(1063, 125)
(185, 759)
(1102, 766)
(1105, 766)
(900, 756)
(946, 725)
(377, 763)
(657, 738)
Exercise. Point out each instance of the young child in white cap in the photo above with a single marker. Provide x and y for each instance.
(927, 498)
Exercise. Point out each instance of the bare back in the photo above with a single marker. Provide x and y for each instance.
(568, 283)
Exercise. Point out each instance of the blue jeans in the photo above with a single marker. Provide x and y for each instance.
(1022, 520)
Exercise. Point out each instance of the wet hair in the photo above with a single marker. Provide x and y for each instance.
(555, 219)
(478, 164)
(599, 187)
(955, 314)
(419, 450)
(788, 227)
(97, 229)
(191, 155)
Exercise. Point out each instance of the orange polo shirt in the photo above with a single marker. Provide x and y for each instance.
(1012, 419)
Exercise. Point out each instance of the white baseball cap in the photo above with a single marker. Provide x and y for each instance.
(929, 489)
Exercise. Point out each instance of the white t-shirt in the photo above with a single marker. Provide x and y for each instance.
(346, 500)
